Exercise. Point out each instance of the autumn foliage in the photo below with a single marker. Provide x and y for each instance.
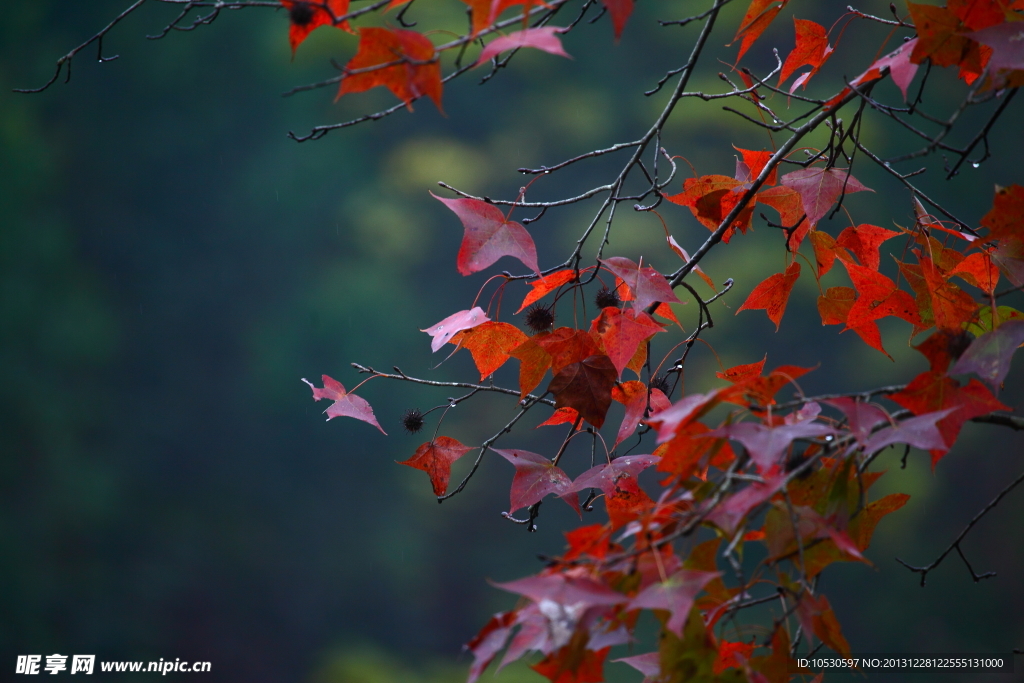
(736, 466)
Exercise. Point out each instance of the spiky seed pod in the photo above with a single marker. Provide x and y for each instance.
(539, 318)
(661, 383)
(606, 298)
(301, 13)
(412, 420)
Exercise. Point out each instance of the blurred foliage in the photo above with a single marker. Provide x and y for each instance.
(171, 265)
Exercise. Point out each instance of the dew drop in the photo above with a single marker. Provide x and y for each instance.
(975, 164)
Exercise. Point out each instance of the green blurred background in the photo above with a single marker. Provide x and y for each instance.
(171, 265)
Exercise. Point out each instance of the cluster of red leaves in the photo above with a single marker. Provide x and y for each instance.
(589, 599)
(787, 480)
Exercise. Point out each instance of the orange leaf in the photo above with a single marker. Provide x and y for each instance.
(826, 251)
(547, 284)
(834, 307)
(864, 240)
(938, 37)
(534, 362)
(759, 16)
(978, 270)
(812, 49)
(413, 69)
(773, 294)
(490, 344)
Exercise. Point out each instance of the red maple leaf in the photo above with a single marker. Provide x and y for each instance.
(619, 11)
(586, 386)
(826, 251)
(569, 665)
(541, 38)
(878, 298)
(812, 49)
(305, 16)
(489, 236)
(566, 346)
(535, 478)
(819, 189)
(759, 15)
(951, 306)
(933, 391)
(979, 270)
(645, 283)
(834, 307)
(710, 198)
(547, 284)
(436, 458)
(345, 404)
(753, 162)
(863, 240)
(412, 70)
(773, 294)
(622, 332)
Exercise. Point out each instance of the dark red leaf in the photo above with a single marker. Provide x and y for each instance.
(587, 387)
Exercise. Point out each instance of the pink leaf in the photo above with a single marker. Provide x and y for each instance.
(535, 478)
(649, 664)
(1007, 42)
(860, 416)
(646, 284)
(676, 594)
(901, 68)
(919, 432)
(767, 444)
(345, 404)
(820, 188)
(679, 413)
(606, 476)
(990, 354)
(488, 236)
(542, 38)
(456, 322)
(728, 514)
(564, 590)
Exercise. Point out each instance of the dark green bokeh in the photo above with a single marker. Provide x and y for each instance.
(171, 264)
